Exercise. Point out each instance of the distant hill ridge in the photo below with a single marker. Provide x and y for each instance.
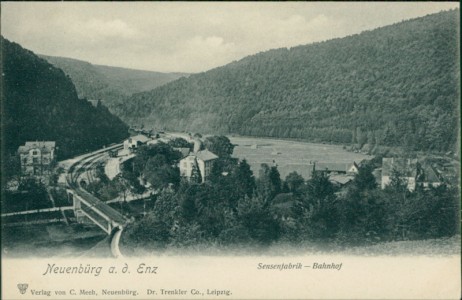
(40, 103)
(396, 86)
(107, 83)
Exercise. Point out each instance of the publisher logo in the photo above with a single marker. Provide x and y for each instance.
(22, 287)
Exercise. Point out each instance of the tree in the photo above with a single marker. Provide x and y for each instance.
(398, 184)
(157, 164)
(269, 182)
(363, 210)
(362, 217)
(133, 181)
(180, 143)
(123, 186)
(442, 212)
(32, 185)
(317, 207)
(371, 138)
(318, 186)
(275, 179)
(364, 179)
(361, 137)
(156, 228)
(256, 218)
(294, 181)
(145, 152)
(196, 176)
(162, 176)
(254, 99)
(186, 200)
(353, 137)
(11, 169)
(220, 145)
(244, 179)
(222, 167)
(263, 182)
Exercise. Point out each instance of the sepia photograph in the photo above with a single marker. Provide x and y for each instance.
(230, 150)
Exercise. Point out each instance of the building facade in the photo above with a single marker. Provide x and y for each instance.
(203, 160)
(133, 142)
(336, 168)
(406, 168)
(37, 158)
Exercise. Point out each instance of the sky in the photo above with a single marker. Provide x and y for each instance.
(190, 37)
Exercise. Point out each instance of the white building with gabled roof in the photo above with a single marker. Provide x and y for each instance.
(337, 168)
(406, 168)
(203, 159)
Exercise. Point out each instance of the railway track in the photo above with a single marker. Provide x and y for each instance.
(94, 207)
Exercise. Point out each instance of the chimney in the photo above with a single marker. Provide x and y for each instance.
(197, 145)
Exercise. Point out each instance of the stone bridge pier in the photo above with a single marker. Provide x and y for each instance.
(79, 216)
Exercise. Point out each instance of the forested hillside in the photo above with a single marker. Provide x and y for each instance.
(109, 84)
(396, 86)
(39, 102)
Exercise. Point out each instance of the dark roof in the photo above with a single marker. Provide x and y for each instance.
(205, 155)
(405, 166)
(430, 174)
(341, 179)
(334, 167)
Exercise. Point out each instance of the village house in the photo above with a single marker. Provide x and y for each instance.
(412, 172)
(37, 158)
(202, 159)
(133, 142)
(428, 177)
(405, 167)
(336, 168)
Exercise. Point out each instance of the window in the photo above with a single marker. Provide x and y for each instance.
(35, 160)
(35, 152)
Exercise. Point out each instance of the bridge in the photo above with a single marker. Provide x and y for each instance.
(88, 206)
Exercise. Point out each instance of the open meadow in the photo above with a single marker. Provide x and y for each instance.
(290, 156)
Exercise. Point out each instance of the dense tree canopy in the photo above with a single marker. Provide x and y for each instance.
(157, 164)
(219, 145)
(395, 86)
(227, 211)
(110, 84)
(40, 103)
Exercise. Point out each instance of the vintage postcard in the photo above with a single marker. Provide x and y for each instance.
(230, 150)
